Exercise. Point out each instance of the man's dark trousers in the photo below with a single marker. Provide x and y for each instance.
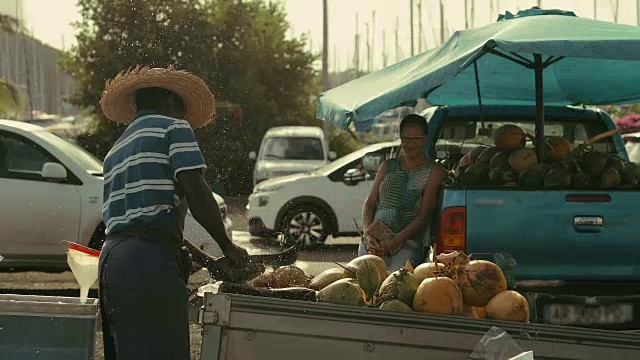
(143, 301)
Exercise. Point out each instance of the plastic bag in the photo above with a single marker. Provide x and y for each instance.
(496, 344)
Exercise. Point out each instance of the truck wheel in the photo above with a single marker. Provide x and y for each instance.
(307, 224)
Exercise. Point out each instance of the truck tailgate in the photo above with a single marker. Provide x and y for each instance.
(246, 327)
(583, 235)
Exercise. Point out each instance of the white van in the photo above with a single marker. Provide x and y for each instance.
(287, 150)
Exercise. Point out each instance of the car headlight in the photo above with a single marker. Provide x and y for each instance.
(263, 189)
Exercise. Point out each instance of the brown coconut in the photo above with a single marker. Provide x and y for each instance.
(427, 270)
(290, 276)
(439, 295)
(479, 281)
(508, 306)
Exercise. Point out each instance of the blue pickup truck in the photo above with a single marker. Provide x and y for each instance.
(569, 244)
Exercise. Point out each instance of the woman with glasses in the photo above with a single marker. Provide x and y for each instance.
(403, 197)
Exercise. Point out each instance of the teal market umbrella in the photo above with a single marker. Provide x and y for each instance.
(541, 57)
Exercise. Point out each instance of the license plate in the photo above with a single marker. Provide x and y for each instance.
(573, 314)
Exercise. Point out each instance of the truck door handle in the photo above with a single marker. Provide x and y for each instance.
(589, 224)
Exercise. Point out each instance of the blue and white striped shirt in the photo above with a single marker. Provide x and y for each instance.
(140, 170)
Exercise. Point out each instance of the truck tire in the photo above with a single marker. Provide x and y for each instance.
(305, 223)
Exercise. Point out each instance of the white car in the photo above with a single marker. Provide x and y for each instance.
(313, 205)
(51, 190)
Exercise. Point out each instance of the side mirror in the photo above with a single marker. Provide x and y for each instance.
(353, 177)
(53, 171)
(373, 160)
(332, 155)
(252, 155)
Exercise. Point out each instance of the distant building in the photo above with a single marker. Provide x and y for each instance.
(31, 66)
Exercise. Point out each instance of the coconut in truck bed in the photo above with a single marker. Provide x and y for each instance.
(570, 221)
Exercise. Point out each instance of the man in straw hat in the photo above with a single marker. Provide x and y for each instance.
(150, 175)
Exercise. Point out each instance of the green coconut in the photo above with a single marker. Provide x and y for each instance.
(610, 178)
(557, 178)
(631, 174)
(368, 278)
(593, 163)
(533, 176)
(615, 162)
(395, 305)
(328, 277)
(476, 174)
(580, 180)
(342, 292)
(400, 285)
(486, 155)
(476, 151)
(500, 159)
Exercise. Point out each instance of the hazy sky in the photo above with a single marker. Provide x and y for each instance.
(51, 21)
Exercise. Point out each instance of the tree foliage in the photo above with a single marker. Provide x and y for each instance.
(239, 48)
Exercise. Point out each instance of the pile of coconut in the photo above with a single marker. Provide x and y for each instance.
(452, 285)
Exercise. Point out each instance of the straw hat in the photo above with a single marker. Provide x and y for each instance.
(118, 100)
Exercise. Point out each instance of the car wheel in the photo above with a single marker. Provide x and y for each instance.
(305, 224)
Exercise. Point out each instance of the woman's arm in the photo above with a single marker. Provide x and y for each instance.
(371, 203)
(428, 203)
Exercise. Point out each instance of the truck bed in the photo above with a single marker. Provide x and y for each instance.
(247, 327)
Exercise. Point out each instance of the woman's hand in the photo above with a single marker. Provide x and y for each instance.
(372, 246)
(392, 247)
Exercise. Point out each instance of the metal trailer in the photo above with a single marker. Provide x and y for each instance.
(248, 327)
(47, 327)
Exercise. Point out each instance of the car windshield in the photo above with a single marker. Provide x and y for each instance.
(337, 164)
(292, 148)
(85, 159)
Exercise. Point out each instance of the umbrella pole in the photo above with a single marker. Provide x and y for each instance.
(538, 67)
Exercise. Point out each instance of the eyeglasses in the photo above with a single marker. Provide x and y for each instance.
(412, 139)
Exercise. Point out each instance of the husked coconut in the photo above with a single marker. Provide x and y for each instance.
(469, 311)
(438, 295)
(508, 305)
(479, 281)
(427, 270)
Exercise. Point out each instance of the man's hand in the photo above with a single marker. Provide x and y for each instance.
(237, 254)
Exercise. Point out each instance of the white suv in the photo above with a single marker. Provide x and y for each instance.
(313, 205)
(51, 190)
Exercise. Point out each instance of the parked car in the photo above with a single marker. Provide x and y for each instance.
(51, 190)
(632, 144)
(286, 150)
(316, 204)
